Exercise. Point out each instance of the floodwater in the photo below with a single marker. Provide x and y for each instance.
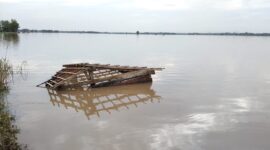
(213, 94)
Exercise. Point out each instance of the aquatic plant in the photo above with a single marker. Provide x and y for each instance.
(6, 73)
(8, 131)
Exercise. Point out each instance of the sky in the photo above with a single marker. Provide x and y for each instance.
(141, 15)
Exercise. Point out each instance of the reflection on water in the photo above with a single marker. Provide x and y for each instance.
(9, 39)
(94, 101)
(175, 135)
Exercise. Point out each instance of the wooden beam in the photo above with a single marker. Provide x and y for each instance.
(66, 72)
(75, 65)
(76, 68)
(53, 81)
(128, 75)
(49, 84)
(59, 77)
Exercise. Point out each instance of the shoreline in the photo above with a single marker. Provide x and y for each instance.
(147, 33)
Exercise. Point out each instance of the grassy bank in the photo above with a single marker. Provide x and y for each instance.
(8, 131)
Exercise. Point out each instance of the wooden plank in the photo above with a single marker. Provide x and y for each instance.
(128, 75)
(39, 85)
(66, 72)
(157, 69)
(103, 75)
(117, 67)
(76, 68)
(110, 67)
(121, 81)
(107, 66)
(49, 84)
(51, 80)
(75, 65)
(59, 77)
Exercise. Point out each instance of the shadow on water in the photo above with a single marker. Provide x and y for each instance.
(94, 101)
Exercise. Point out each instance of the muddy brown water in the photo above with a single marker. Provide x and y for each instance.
(213, 94)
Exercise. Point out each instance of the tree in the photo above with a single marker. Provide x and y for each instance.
(4, 26)
(13, 26)
(9, 26)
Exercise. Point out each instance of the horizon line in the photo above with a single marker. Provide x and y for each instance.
(25, 30)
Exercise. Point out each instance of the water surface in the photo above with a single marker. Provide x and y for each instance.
(213, 94)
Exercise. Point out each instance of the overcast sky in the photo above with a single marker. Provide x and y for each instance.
(142, 15)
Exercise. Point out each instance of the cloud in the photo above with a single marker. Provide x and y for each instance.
(174, 5)
(85, 2)
(161, 5)
(10, 1)
(143, 15)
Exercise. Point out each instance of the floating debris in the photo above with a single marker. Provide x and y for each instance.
(98, 75)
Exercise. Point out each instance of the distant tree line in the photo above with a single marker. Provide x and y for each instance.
(148, 33)
(9, 26)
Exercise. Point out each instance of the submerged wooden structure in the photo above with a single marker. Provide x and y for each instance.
(98, 75)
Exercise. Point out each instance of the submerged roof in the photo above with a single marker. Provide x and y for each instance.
(94, 74)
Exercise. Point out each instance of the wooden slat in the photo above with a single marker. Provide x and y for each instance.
(75, 65)
(49, 84)
(59, 77)
(107, 66)
(76, 68)
(157, 69)
(51, 80)
(66, 72)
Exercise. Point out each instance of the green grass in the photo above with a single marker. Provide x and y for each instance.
(8, 130)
